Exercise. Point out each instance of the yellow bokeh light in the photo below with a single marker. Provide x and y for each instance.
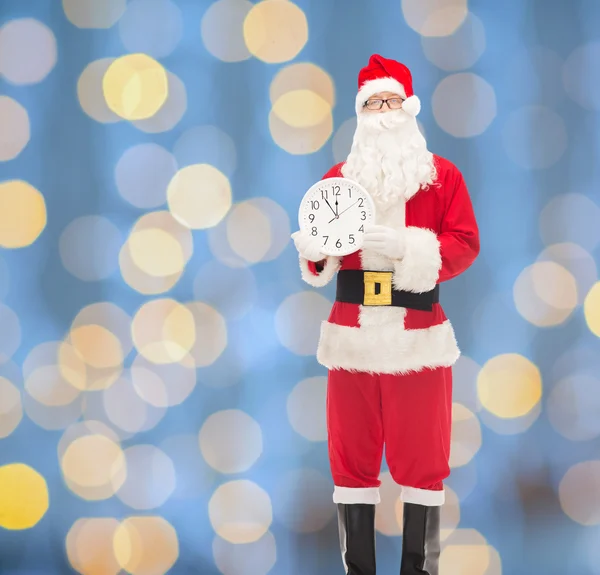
(466, 436)
(303, 76)
(97, 346)
(24, 496)
(210, 334)
(135, 86)
(434, 17)
(466, 551)
(11, 409)
(163, 331)
(275, 31)
(240, 511)
(156, 252)
(509, 386)
(199, 196)
(301, 108)
(591, 309)
(298, 141)
(22, 214)
(579, 493)
(146, 545)
(89, 545)
(94, 467)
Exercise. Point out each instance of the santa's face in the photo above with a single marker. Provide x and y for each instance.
(383, 102)
(389, 156)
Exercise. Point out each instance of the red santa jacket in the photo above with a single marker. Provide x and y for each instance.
(442, 241)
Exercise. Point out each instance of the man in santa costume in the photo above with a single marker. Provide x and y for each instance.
(389, 361)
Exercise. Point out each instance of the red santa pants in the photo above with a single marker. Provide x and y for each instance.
(410, 414)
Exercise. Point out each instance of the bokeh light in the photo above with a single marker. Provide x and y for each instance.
(298, 321)
(10, 335)
(457, 51)
(464, 105)
(94, 13)
(89, 546)
(302, 501)
(153, 27)
(93, 467)
(389, 513)
(466, 436)
(150, 478)
(571, 218)
(199, 196)
(509, 385)
(222, 30)
(97, 346)
(579, 493)
(275, 31)
(163, 331)
(11, 409)
(535, 137)
(306, 408)
(342, 140)
(434, 17)
(143, 173)
(231, 441)
(580, 75)
(14, 128)
(48, 386)
(135, 86)
(259, 556)
(27, 51)
(465, 551)
(89, 92)
(545, 294)
(301, 108)
(89, 248)
(464, 383)
(538, 71)
(146, 545)
(24, 498)
(22, 214)
(592, 309)
(240, 511)
(211, 334)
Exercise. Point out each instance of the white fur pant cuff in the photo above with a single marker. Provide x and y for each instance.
(423, 496)
(349, 495)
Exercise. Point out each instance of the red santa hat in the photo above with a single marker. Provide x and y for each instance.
(384, 75)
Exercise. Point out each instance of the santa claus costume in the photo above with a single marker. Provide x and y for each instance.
(390, 357)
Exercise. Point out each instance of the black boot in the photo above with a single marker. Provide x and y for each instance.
(356, 523)
(420, 540)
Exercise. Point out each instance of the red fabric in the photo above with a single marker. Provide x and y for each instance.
(312, 268)
(410, 413)
(446, 209)
(380, 67)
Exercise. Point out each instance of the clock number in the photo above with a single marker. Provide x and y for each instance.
(361, 202)
(311, 218)
(362, 229)
(314, 204)
(350, 192)
(324, 195)
(336, 190)
(351, 238)
(338, 244)
(364, 216)
(326, 238)
(314, 231)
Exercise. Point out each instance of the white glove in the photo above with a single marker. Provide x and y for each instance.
(386, 241)
(308, 247)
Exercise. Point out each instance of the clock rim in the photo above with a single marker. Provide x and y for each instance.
(340, 180)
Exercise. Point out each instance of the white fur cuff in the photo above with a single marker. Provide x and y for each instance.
(423, 496)
(349, 495)
(419, 269)
(332, 265)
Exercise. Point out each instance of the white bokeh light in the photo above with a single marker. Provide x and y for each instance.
(14, 128)
(306, 408)
(259, 556)
(434, 17)
(89, 92)
(94, 13)
(10, 335)
(222, 29)
(342, 140)
(581, 75)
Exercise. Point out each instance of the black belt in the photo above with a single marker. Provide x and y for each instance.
(376, 289)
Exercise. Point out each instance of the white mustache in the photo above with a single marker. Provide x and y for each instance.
(384, 121)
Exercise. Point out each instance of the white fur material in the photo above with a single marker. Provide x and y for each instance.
(423, 496)
(412, 106)
(332, 265)
(349, 495)
(372, 87)
(386, 348)
(418, 271)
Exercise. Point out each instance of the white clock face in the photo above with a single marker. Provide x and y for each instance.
(337, 211)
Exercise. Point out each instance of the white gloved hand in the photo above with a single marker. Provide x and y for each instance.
(308, 247)
(386, 241)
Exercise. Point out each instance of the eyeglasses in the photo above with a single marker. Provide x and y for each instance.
(392, 104)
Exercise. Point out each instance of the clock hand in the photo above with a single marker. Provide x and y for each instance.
(356, 202)
(336, 207)
(334, 211)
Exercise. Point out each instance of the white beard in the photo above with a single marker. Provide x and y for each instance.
(389, 158)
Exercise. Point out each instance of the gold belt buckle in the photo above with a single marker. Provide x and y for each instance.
(378, 288)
